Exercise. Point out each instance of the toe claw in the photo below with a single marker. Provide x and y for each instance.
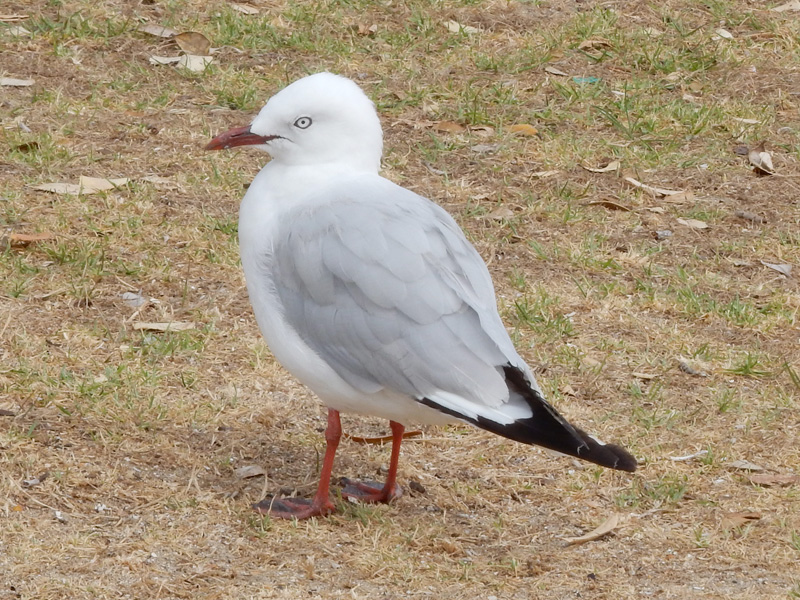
(369, 492)
(292, 508)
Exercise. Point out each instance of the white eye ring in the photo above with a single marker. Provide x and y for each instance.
(303, 123)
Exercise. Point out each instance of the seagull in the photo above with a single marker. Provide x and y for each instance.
(371, 295)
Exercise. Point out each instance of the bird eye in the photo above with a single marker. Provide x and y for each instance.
(303, 122)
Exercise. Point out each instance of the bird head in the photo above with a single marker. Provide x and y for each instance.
(322, 118)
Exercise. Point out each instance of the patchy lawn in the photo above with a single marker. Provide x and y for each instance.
(665, 322)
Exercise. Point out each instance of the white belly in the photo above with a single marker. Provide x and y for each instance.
(311, 370)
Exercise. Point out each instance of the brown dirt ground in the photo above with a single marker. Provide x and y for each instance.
(118, 447)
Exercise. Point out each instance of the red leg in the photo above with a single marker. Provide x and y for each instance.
(302, 508)
(371, 491)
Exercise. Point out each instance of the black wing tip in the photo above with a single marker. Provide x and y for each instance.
(549, 433)
(625, 460)
(547, 428)
(611, 456)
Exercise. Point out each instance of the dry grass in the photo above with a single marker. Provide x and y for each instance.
(119, 446)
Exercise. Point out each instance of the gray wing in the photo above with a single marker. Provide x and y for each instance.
(384, 286)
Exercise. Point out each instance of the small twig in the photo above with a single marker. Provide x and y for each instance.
(8, 320)
(126, 284)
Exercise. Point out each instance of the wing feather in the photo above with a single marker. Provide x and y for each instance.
(383, 285)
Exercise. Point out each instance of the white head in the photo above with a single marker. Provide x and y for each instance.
(322, 118)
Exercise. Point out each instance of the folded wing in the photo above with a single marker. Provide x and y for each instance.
(382, 284)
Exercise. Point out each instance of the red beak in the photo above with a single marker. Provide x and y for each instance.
(238, 136)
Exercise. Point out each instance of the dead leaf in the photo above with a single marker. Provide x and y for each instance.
(680, 197)
(12, 82)
(456, 27)
(20, 240)
(612, 166)
(645, 376)
(611, 205)
(19, 31)
(195, 63)
(485, 148)
(479, 197)
(482, 130)
(737, 519)
(171, 326)
(747, 121)
(761, 160)
(554, 71)
(659, 210)
(792, 6)
(13, 18)
(568, 390)
(73, 189)
(381, 439)
(524, 129)
(164, 60)
(606, 527)
(162, 182)
(92, 185)
(774, 479)
(500, 214)
(194, 43)
(745, 465)
(157, 30)
(594, 44)
(693, 223)
(245, 9)
(400, 95)
(367, 30)
(543, 174)
(653, 190)
(783, 269)
(249, 471)
(690, 369)
(723, 33)
(86, 185)
(662, 234)
(449, 127)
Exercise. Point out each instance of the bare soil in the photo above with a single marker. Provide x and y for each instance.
(119, 448)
